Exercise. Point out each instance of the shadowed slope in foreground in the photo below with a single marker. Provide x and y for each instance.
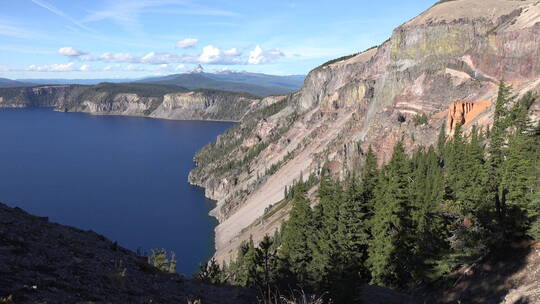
(43, 262)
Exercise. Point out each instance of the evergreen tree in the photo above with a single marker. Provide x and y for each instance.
(534, 206)
(249, 274)
(391, 227)
(353, 232)
(466, 175)
(159, 259)
(497, 149)
(441, 140)
(369, 179)
(517, 172)
(427, 192)
(325, 244)
(268, 264)
(296, 237)
(210, 273)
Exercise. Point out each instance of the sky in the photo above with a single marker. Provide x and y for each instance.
(81, 39)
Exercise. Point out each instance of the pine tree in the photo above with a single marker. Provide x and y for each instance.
(210, 273)
(497, 149)
(325, 244)
(391, 227)
(466, 176)
(441, 140)
(534, 206)
(268, 264)
(354, 214)
(296, 236)
(249, 274)
(517, 171)
(454, 166)
(159, 259)
(353, 233)
(427, 191)
(369, 178)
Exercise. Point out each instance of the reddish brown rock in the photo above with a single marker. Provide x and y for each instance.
(464, 113)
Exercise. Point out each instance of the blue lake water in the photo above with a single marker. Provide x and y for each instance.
(123, 177)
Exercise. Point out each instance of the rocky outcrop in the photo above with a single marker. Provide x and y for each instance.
(204, 105)
(464, 113)
(44, 262)
(133, 100)
(455, 51)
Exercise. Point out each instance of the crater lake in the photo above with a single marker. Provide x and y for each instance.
(123, 177)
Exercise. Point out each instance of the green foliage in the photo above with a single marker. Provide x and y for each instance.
(534, 206)
(297, 234)
(496, 149)
(391, 249)
(419, 120)
(162, 261)
(325, 244)
(518, 170)
(441, 140)
(210, 273)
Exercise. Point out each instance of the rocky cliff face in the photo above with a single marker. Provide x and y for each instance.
(133, 100)
(440, 64)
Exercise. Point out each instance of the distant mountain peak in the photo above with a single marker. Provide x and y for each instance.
(198, 69)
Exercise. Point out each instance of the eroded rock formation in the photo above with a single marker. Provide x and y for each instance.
(464, 113)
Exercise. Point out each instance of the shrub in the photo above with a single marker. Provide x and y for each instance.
(420, 120)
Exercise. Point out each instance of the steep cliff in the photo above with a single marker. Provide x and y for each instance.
(158, 101)
(453, 55)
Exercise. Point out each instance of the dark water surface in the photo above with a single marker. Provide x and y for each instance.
(123, 177)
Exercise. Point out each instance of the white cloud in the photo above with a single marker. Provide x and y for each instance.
(133, 67)
(232, 52)
(118, 57)
(260, 56)
(186, 43)
(108, 68)
(213, 55)
(180, 67)
(68, 67)
(165, 57)
(70, 52)
(84, 67)
(88, 58)
(209, 54)
(141, 68)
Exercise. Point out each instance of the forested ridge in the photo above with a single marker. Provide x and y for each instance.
(407, 223)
